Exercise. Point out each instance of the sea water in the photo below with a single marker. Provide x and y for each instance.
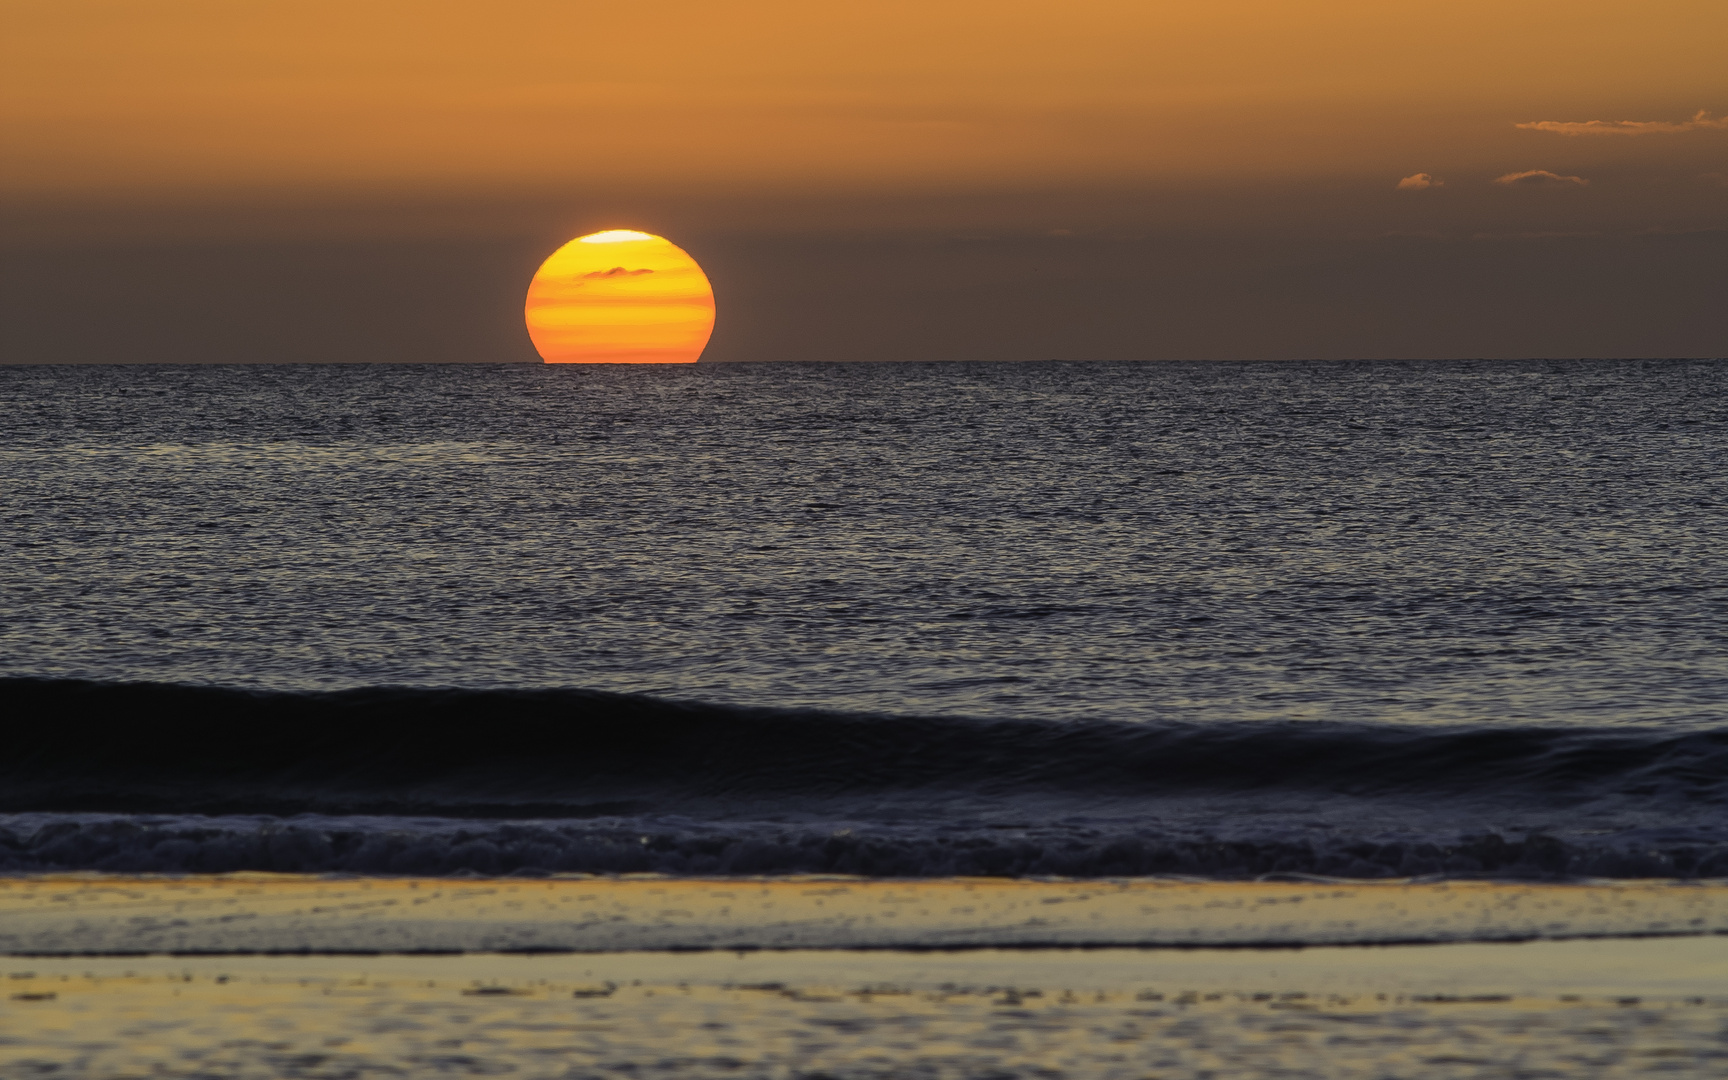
(1216, 619)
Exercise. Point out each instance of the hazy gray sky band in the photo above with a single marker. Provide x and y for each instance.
(1148, 297)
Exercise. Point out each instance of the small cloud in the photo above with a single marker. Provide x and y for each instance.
(1419, 182)
(617, 271)
(1664, 230)
(1701, 121)
(1060, 232)
(1540, 178)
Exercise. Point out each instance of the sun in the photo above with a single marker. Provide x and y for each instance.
(620, 297)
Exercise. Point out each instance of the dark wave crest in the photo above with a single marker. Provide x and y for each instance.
(145, 747)
(389, 780)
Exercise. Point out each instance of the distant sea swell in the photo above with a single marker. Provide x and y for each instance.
(166, 778)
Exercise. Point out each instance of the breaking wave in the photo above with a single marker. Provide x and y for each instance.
(150, 777)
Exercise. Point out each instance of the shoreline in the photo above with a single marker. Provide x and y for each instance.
(1667, 969)
(294, 915)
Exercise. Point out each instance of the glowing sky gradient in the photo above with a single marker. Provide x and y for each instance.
(902, 180)
(103, 96)
(620, 297)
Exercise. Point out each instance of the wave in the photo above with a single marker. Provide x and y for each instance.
(78, 745)
(399, 780)
(683, 848)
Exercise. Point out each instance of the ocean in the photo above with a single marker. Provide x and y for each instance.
(1217, 620)
(854, 722)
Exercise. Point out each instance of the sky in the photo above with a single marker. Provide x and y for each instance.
(941, 179)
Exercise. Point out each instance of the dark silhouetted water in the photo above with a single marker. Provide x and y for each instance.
(1225, 619)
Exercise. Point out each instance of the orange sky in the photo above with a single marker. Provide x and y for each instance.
(116, 97)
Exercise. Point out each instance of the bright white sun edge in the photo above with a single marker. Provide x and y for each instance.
(615, 236)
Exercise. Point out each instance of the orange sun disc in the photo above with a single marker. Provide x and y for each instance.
(619, 297)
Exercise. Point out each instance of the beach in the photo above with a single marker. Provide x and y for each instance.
(75, 915)
(1539, 1009)
(1574, 1006)
(298, 976)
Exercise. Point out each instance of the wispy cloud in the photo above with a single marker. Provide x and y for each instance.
(1702, 121)
(1419, 182)
(1534, 235)
(1540, 178)
(617, 271)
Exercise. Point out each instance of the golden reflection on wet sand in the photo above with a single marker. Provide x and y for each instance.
(743, 978)
(262, 912)
(1481, 1010)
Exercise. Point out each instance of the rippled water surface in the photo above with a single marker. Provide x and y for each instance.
(1428, 542)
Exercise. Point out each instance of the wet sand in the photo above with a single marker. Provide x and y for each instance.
(1557, 1008)
(93, 914)
(311, 977)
